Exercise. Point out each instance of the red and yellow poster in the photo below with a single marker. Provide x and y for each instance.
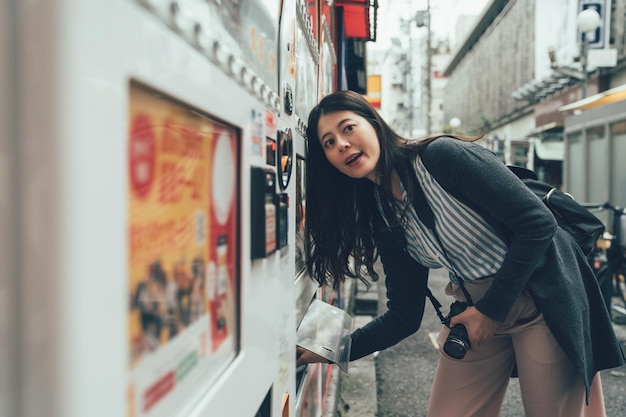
(182, 245)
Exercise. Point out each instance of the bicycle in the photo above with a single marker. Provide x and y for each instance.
(608, 260)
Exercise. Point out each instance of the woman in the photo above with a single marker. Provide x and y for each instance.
(447, 202)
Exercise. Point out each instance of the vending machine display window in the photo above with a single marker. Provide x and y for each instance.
(183, 278)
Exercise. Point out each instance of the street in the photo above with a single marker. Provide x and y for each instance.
(404, 372)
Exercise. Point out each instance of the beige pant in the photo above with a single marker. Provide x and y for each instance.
(475, 385)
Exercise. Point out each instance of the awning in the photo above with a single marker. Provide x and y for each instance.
(601, 99)
(546, 128)
(359, 18)
(550, 150)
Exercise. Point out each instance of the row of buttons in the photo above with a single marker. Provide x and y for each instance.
(190, 19)
(307, 25)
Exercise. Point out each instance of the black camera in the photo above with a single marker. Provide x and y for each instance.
(457, 342)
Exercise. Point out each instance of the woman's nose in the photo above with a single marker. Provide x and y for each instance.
(343, 144)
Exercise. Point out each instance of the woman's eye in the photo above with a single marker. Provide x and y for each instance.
(329, 143)
(349, 128)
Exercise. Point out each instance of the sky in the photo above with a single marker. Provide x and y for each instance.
(444, 16)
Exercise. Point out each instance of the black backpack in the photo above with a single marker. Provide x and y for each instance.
(571, 216)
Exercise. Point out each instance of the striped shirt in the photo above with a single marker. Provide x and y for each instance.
(472, 248)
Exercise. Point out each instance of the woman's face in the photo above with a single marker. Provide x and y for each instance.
(350, 143)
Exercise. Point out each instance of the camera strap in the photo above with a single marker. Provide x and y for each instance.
(433, 299)
(468, 297)
(437, 306)
(427, 217)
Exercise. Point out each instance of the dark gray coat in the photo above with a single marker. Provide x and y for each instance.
(540, 256)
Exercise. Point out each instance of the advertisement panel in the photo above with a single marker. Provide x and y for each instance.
(182, 246)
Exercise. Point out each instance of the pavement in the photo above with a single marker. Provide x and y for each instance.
(355, 394)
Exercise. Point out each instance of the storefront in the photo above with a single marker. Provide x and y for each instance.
(595, 147)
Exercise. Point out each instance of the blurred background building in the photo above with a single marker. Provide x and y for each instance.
(519, 72)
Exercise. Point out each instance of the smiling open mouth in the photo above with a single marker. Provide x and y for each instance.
(353, 158)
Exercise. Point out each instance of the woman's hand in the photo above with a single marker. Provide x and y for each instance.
(304, 356)
(479, 327)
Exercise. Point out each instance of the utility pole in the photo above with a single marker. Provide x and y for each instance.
(588, 21)
(584, 56)
(429, 57)
(410, 85)
(423, 19)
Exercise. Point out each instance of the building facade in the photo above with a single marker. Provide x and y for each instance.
(518, 77)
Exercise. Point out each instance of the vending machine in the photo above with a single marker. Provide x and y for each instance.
(152, 205)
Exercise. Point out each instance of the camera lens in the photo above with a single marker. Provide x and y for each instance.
(457, 342)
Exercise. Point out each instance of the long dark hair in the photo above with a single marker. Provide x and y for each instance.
(340, 209)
